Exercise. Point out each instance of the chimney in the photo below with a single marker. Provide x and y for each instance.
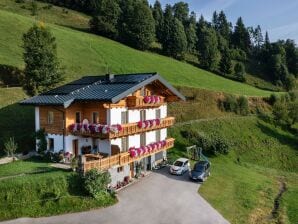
(109, 77)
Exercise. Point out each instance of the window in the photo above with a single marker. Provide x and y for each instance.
(143, 115)
(124, 144)
(157, 135)
(124, 117)
(50, 117)
(78, 117)
(157, 113)
(95, 117)
(120, 169)
(51, 144)
(143, 139)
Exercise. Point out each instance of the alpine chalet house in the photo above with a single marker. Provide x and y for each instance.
(115, 122)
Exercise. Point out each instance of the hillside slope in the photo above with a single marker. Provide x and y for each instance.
(83, 53)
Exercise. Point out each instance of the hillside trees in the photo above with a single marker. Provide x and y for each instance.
(42, 70)
(209, 54)
(136, 25)
(105, 18)
(157, 14)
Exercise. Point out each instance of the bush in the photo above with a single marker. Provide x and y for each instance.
(243, 105)
(230, 103)
(42, 141)
(273, 99)
(213, 143)
(10, 147)
(96, 182)
(239, 71)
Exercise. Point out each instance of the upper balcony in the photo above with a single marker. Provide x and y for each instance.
(117, 131)
(145, 101)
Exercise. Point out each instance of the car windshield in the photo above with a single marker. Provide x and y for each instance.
(199, 168)
(178, 163)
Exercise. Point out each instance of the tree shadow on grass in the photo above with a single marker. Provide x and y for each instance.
(282, 138)
(17, 121)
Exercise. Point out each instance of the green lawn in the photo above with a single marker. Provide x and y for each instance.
(28, 166)
(244, 184)
(50, 193)
(86, 54)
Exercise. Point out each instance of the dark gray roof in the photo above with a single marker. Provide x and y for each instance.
(98, 88)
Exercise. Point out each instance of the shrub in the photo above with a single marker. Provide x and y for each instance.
(230, 103)
(42, 141)
(243, 105)
(74, 163)
(96, 182)
(239, 71)
(10, 147)
(273, 99)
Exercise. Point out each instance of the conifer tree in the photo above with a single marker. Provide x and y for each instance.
(158, 18)
(42, 71)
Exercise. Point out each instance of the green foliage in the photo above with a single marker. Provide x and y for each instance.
(10, 147)
(137, 26)
(209, 54)
(105, 21)
(230, 103)
(74, 163)
(243, 105)
(210, 143)
(225, 64)
(191, 36)
(239, 71)
(95, 182)
(240, 36)
(34, 8)
(157, 14)
(41, 64)
(181, 11)
(42, 141)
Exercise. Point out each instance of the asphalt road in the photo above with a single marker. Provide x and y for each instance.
(159, 198)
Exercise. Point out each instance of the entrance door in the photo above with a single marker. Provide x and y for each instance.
(75, 147)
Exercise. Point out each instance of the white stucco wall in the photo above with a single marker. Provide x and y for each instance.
(115, 115)
(133, 116)
(37, 119)
(150, 137)
(104, 146)
(163, 134)
(163, 111)
(58, 141)
(115, 176)
(134, 141)
(150, 114)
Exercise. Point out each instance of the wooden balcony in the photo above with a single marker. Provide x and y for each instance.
(129, 129)
(138, 102)
(88, 162)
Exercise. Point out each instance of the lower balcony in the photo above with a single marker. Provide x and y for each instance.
(117, 131)
(90, 161)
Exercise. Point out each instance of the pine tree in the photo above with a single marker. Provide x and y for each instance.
(181, 11)
(209, 54)
(239, 70)
(291, 56)
(166, 27)
(240, 37)
(106, 17)
(137, 26)
(158, 18)
(225, 65)
(177, 42)
(224, 27)
(191, 33)
(42, 71)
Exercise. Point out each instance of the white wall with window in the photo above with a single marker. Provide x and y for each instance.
(133, 116)
(55, 142)
(150, 137)
(163, 111)
(115, 115)
(163, 133)
(134, 140)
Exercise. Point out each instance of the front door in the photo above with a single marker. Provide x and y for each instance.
(75, 147)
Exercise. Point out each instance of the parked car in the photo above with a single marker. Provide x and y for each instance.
(180, 166)
(200, 171)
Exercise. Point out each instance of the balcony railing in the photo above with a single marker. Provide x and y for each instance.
(88, 162)
(128, 129)
(140, 101)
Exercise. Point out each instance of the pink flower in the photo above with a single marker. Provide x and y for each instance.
(119, 126)
(147, 99)
(152, 99)
(133, 153)
(139, 151)
(156, 99)
(140, 124)
(157, 121)
(71, 127)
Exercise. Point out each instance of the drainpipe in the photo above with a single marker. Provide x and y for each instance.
(63, 129)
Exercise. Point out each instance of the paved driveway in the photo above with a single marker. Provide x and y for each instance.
(159, 198)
